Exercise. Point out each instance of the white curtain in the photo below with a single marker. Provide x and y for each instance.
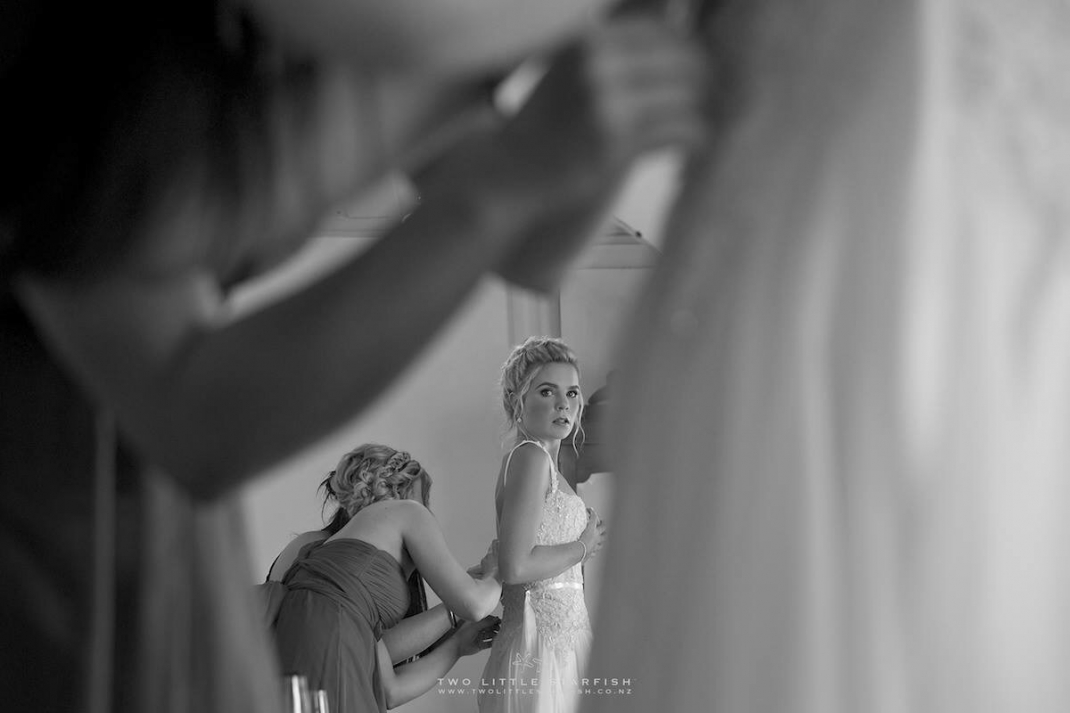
(845, 432)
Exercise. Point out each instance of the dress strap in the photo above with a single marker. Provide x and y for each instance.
(553, 466)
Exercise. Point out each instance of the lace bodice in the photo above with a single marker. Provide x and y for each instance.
(560, 609)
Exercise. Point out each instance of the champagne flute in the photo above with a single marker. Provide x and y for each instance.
(319, 702)
(296, 696)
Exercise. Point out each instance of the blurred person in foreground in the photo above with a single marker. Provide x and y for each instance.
(159, 155)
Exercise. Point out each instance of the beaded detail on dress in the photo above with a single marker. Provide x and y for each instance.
(560, 612)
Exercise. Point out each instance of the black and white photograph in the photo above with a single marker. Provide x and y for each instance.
(486, 356)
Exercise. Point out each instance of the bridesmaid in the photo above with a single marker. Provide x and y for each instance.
(341, 621)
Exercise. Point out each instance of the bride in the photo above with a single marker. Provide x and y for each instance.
(545, 534)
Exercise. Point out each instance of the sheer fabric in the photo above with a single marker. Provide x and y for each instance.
(851, 375)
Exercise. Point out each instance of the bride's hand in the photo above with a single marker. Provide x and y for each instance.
(593, 534)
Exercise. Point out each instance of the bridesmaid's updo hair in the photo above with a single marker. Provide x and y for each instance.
(518, 372)
(368, 474)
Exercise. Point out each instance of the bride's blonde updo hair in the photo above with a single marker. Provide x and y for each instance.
(518, 373)
(370, 473)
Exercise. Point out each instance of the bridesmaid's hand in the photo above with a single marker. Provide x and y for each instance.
(474, 636)
(488, 566)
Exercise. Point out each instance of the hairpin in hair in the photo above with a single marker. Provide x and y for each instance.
(398, 461)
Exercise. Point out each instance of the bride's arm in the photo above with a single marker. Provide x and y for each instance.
(519, 558)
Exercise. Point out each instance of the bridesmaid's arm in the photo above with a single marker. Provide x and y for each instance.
(413, 634)
(410, 681)
(404, 683)
(470, 598)
(519, 558)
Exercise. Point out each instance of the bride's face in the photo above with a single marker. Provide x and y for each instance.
(552, 404)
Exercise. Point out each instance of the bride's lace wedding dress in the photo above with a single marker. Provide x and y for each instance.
(537, 662)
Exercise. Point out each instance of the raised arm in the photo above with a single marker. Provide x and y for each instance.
(630, 87)
(442, 36)
(214, 400)
(470, 598)
(527, 481)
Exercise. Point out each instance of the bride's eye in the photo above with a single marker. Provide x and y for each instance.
(546, 392)
(572, 394)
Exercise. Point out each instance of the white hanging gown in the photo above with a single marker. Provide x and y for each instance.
(852, 377)
(537, 662)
